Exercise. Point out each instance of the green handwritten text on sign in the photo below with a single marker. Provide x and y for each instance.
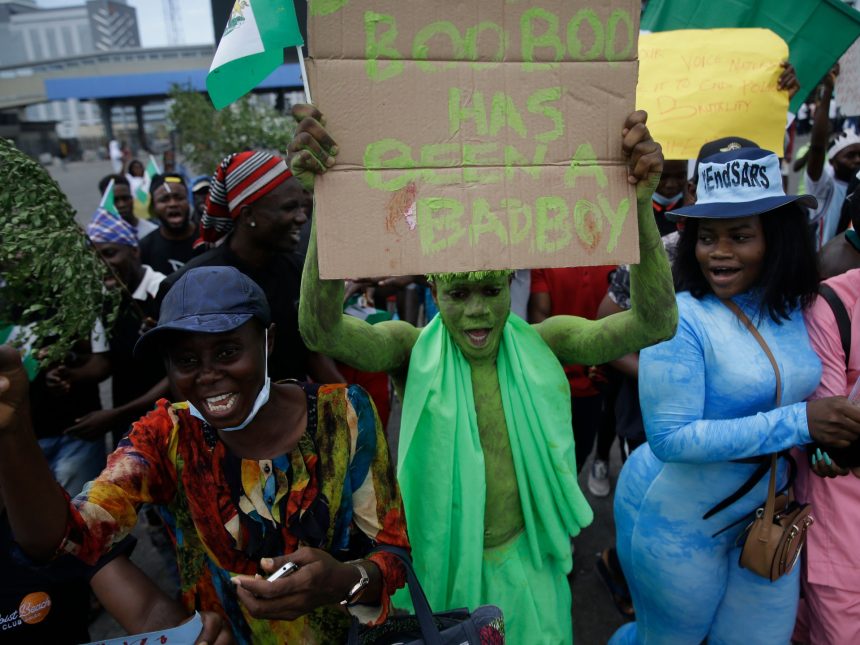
(473, 135)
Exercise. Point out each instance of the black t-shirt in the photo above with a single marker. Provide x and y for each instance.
(281, 281)
(54, 412)
(47, 604)
(132, 377)
(165, 255)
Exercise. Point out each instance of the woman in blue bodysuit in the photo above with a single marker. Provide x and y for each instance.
(708, 400)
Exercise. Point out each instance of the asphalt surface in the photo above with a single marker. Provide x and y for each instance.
(594, 616)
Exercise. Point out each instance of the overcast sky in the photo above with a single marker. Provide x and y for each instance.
(196, 18)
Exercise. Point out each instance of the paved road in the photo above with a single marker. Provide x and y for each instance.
(80, 181)
(594, 616)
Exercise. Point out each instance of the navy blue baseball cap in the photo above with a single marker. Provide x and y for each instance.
(740, 183)
(208, 300)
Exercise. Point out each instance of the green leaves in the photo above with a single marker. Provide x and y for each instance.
(50, 277)
(207, 135)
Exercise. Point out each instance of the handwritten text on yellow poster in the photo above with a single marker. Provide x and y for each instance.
(698, 85)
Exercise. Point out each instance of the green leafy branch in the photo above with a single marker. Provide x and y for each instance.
(52, 278)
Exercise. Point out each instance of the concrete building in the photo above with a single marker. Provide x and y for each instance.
(30, 34)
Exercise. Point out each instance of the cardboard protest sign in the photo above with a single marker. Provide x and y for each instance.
(482, 134)
(698, 85)
(848, 81)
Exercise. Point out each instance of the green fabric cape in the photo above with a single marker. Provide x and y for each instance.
(441, 465)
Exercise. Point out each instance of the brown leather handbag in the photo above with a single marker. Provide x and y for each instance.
(774, 539)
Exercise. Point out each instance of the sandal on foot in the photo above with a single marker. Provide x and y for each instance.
(610, 572)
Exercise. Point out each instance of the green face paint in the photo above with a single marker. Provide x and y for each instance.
(474, 309)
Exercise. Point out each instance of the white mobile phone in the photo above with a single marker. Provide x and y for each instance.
(287, 569)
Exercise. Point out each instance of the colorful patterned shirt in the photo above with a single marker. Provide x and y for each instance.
(335, 491)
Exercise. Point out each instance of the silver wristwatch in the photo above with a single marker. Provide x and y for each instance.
(358, 587)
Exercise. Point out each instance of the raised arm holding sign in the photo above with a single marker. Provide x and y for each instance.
(486, 458)
(518, 104)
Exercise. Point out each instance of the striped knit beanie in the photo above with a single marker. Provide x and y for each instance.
(241, 179)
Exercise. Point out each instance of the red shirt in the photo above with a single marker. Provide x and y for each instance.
(574, 291)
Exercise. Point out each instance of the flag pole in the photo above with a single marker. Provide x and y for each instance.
(304, 74)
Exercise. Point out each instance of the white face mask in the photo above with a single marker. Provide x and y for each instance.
(262, 397)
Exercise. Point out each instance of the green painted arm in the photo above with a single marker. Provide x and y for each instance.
(384, 347)
(651, 319)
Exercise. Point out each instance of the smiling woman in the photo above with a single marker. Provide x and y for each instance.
(712, 418)
(254, 475)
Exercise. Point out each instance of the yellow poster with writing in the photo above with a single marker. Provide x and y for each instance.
(698, 85)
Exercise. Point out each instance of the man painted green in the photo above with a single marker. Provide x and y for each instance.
(486, 458)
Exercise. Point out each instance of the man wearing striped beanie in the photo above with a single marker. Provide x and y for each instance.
(241, 181)
(254, 215)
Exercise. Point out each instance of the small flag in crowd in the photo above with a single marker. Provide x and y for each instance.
(107, 202)
(142, 192)
(251, 48)
(22, 339)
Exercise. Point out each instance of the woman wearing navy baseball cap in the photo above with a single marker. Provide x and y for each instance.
(254, 475)
(712, 416)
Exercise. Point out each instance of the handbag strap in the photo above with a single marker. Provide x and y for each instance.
(843, 320)
(737, 311)
(429, 632)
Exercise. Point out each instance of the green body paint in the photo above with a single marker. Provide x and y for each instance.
(473, 276)
(503, 515)
(387, 346)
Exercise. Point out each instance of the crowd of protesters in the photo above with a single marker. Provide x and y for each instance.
(250, 401)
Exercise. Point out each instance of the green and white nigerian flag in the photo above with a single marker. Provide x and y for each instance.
(251, 48)
(107, 203)
(141, 194)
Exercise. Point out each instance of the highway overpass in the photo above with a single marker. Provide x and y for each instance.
(127, 76)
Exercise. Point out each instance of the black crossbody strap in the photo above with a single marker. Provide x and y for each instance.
(843, 321)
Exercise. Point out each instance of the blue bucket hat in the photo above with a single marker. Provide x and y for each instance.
(740, 183)
(208, 300)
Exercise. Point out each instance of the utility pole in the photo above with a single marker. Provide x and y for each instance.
(173, 20)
